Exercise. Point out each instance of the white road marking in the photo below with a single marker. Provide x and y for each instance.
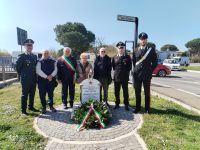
(164, 85)
(188, 81)
(188, 92)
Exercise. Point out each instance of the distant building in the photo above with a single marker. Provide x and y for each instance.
(166, 55)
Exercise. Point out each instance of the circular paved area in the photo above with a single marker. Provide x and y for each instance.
(61, 130)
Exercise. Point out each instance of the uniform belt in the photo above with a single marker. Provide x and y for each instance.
(144, 57)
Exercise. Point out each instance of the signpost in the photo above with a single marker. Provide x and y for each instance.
(130, 19)
(21, 36)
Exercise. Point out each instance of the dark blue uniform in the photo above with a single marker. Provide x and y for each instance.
(44, 85)
(26, 69)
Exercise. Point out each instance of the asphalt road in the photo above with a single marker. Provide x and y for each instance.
(181, 85)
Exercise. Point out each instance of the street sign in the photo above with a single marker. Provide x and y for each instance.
(126, 18)
(21, 36)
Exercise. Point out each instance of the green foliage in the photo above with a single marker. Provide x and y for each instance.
(92, 122)
(169, 47)
(185, 53)
(74, 35)
(4, 53)
(193, 46)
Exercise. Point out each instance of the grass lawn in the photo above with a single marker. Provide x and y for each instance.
(168, 127)
(195, 68)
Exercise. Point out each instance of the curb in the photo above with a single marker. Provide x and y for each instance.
(193, 71)
(175, 101)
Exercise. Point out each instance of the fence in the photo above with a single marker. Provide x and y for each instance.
(7, 68)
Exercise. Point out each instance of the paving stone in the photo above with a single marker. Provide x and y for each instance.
(60, 126)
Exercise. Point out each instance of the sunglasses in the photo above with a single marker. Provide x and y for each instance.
(103, 51)
(29, 45)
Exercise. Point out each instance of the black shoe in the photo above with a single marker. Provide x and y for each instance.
(65, 106)
(116, 107)
(126, 108)
(33, 109)
(52, 109)
(147, 112)
(43, 111)
(25, 113)
(71, 105)
(136, 111)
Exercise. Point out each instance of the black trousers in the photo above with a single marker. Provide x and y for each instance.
(138, 86)
(68, 87)
(46, 87)
(117, 86)
(28, 90)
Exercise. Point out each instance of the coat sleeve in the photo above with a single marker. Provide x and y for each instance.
(95, 68)
(129, 63)
(154, 59)
(19, 64)
(55, 69)
(59, 73)
(109, 65)
(113, 63)
(134, 59)
(39, 71)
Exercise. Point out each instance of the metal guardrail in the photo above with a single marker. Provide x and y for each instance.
(6, 68)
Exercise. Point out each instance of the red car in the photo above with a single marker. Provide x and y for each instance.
(162, 70)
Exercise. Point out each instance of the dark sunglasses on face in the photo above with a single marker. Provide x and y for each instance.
(103, 51)
(29, 45)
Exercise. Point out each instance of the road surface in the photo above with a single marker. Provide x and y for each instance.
(181, 85)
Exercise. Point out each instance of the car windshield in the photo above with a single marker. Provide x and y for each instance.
(172, 62)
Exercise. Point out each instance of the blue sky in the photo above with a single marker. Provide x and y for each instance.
(165, 21)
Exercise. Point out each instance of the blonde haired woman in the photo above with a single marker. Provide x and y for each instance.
(84, 68)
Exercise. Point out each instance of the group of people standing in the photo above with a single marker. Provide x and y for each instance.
(48, 72)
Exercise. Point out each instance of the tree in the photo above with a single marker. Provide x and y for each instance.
(4, 53)
(193, 46)
(169, 47)
(75, 36)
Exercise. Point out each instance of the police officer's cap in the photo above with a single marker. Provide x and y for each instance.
(143, 36)
(28, 41)
(120, 44)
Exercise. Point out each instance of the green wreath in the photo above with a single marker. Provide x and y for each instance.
(99, 110)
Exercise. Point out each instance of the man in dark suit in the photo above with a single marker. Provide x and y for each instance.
(67, 74)
(26, 69)
(121, 64)
(102, 72)
(144, 62)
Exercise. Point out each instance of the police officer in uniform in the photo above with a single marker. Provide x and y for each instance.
(122, 65)
(26, 69)
(144, 62)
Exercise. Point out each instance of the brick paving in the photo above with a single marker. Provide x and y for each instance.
(62, 134)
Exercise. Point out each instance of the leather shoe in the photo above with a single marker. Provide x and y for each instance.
(116, 107)
(33, 109)
(43, 111)
(53, 109)
(25, 113)
(126, 108)
(136, 111)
